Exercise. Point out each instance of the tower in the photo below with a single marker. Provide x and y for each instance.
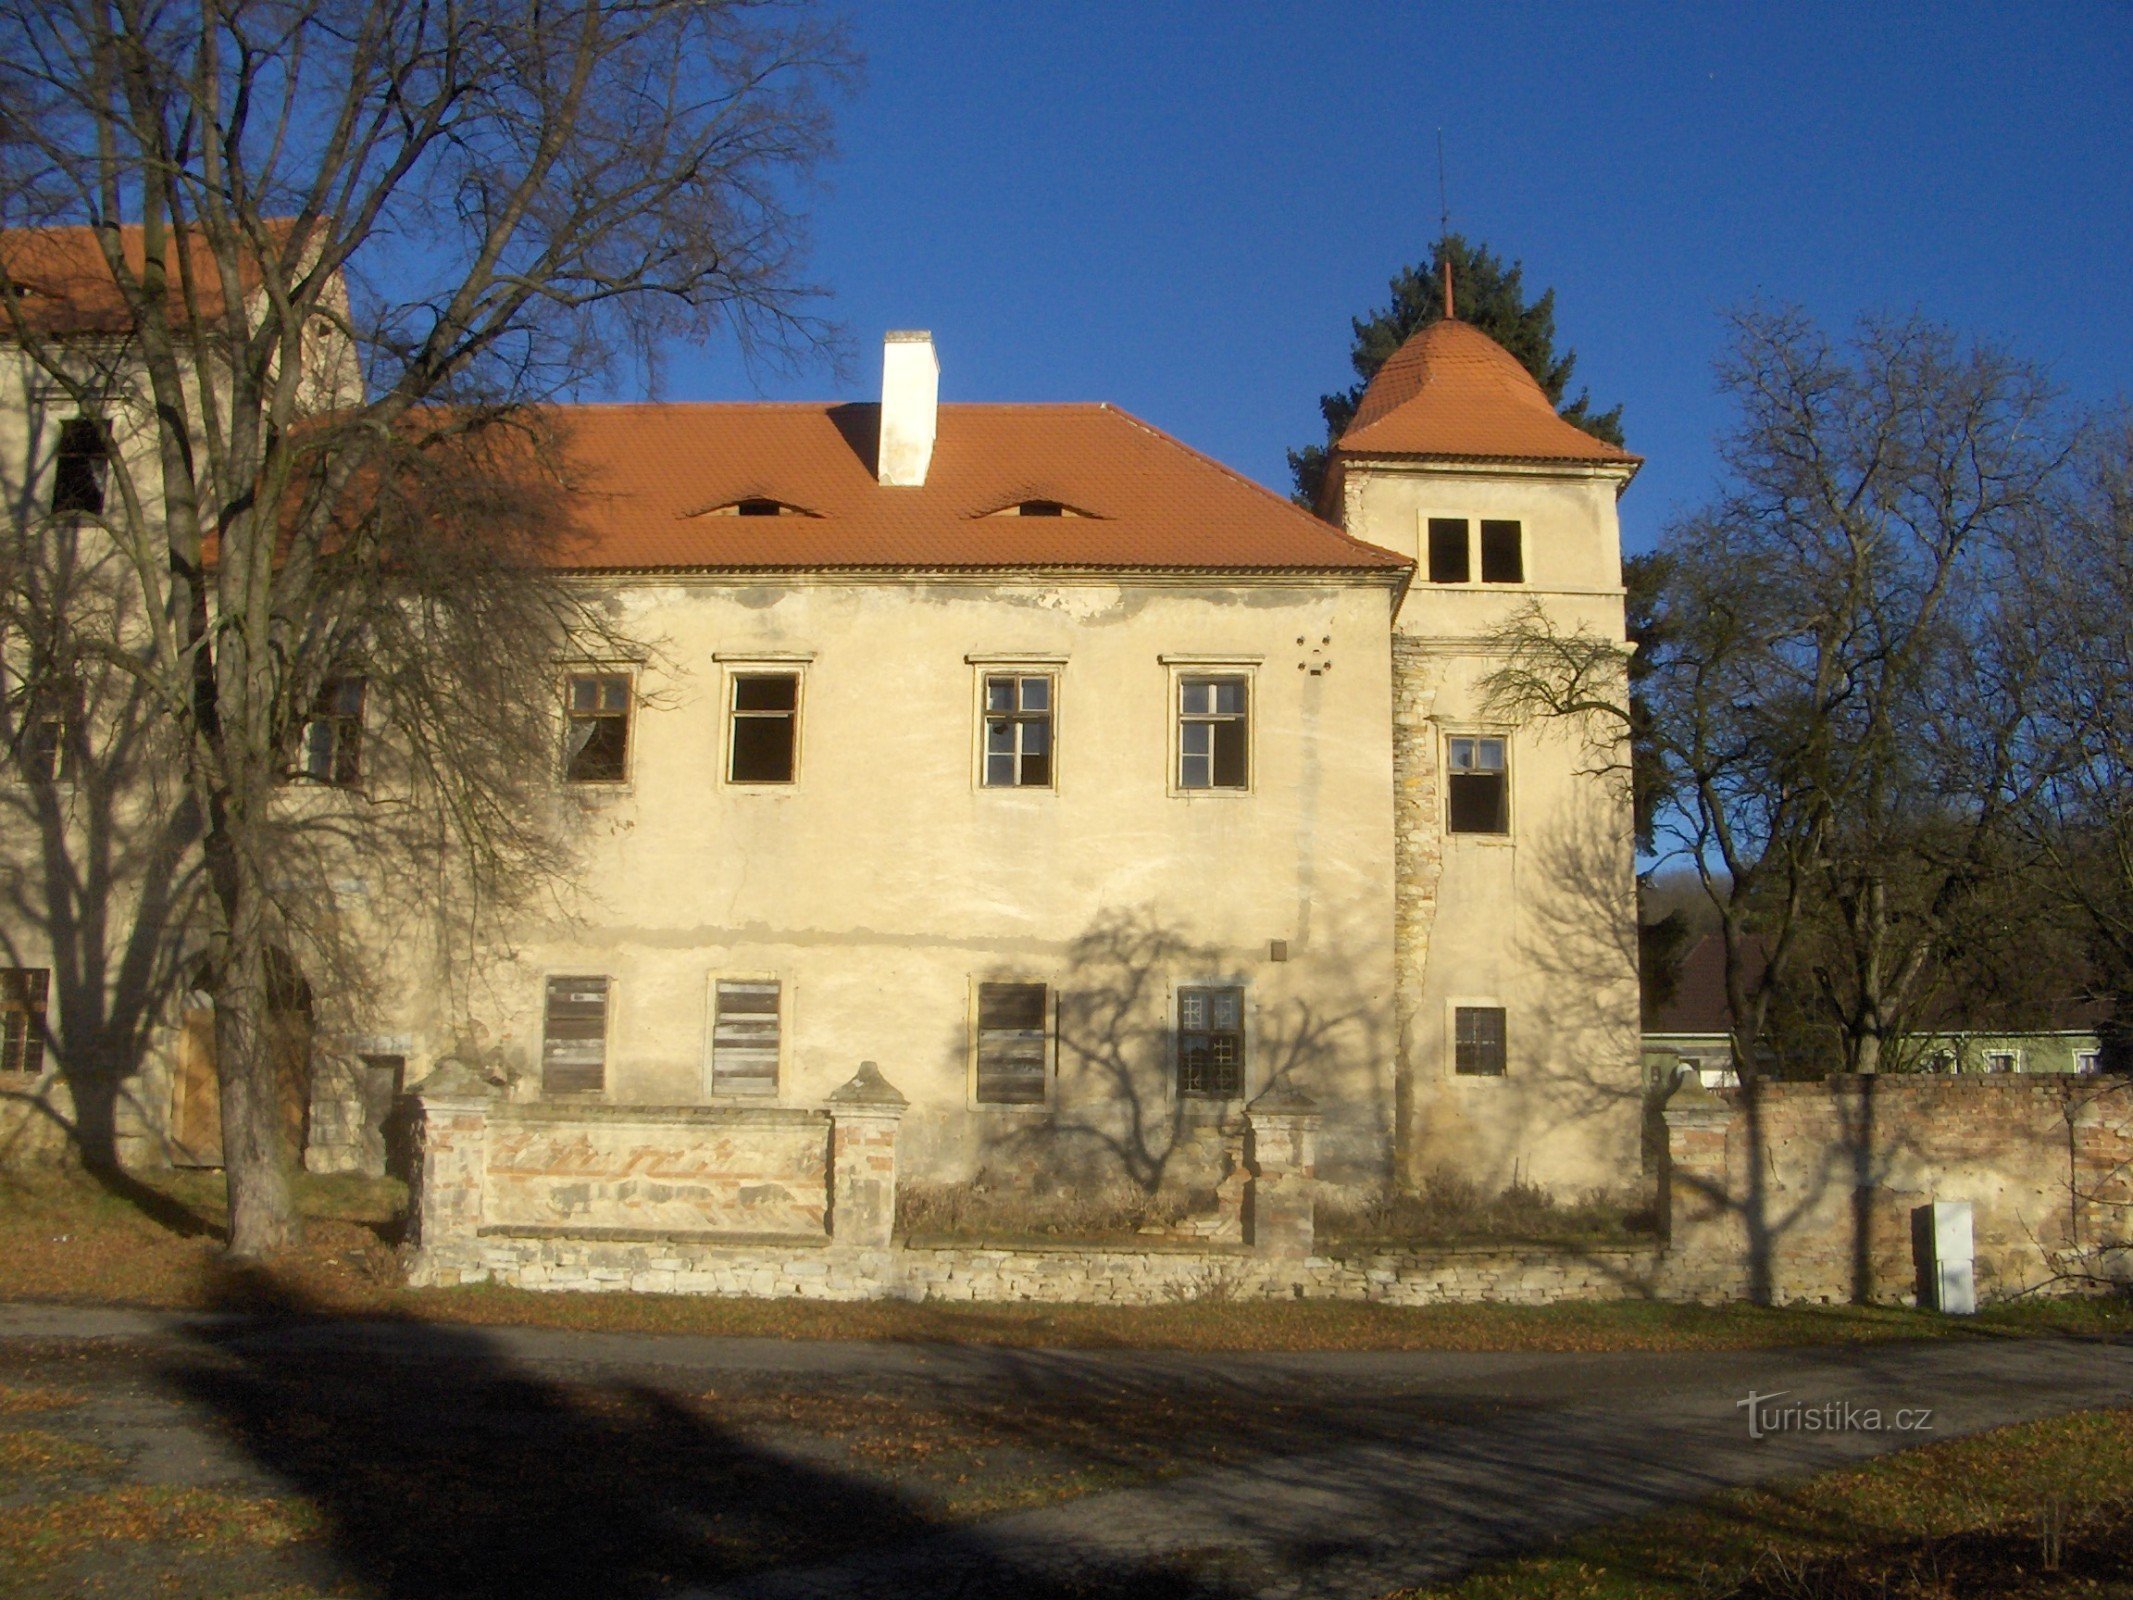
(1514, 844)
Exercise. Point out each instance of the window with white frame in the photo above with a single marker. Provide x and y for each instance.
(763, 727)
(1013, 1043)
(1018, 730)
(574, 1036)
(1214, 731)
(596, 746)
(1210, 1042)
(746, 1031)
(2088, 1061)
(1477, 785)
(2003, 1061)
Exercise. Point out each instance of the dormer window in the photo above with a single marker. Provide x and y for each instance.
(755, 505)
(757, 508)
(1039, 508)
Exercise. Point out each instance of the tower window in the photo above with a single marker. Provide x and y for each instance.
(1478, 791)
(1502, 553)
(1449, 561)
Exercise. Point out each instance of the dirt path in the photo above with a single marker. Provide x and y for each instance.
(405, 1459)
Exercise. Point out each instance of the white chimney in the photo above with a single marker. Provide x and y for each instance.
(910, 402)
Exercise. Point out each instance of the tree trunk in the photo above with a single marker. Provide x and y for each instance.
(255, 1154)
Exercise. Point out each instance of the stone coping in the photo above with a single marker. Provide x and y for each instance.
(1153, 1244)
(677, 1236)
(680, 1116)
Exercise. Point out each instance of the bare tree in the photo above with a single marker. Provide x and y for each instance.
(1812, 682)
(339, 249)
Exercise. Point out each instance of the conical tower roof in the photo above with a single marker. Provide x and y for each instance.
(1451, 390)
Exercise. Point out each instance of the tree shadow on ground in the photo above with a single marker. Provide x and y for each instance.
(439, 1467)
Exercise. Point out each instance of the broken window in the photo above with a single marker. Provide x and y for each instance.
(81, 465)
(1449, 561)
(22, 1003)
(1503, 557)
(1214, 733)
(1478, 791)
(574, 1036)
(1211, 1043)
(1477, 1041)
(333, 737)
(1018, 731)
(766, 727)
(744, 1036)
(597, 739)
(1013, 1042)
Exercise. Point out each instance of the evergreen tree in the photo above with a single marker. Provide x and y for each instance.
(1488, 295)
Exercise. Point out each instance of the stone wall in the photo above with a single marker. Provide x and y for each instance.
(1418, 855)
(2046, 1164)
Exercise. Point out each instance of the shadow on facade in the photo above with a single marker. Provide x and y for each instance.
(442, 1468)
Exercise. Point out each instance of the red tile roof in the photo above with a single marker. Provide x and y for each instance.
(649, 478)
(67, 288)
(1451, 390)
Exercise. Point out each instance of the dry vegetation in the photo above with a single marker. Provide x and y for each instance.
(2041, 1509)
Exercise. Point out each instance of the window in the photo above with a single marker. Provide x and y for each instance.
(22, 1003)
(333, 738)
(574, 1037)
(1477, 1042)
(40, 748)
(1012, 1043)
(597, 740)
(1018, 731)
(1041, 508)
(81, 465)
(766, 725)
(1214, 733)
(757, 508)
(1211, 1043)
(1449, 561)
(1503, 558)
(744, 1036)
(2088, 1061)
(2003, 1061)
(1477, 789)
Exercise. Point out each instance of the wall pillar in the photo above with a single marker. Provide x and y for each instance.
(1283, 1160)
(864, 1115)
(451, 1158)
(1704, 1254)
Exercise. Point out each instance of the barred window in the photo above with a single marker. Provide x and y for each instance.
(574, 1036)
(1214, 733)
(1013, 1042)
(597, 733)
(745, 1034)
(1478, 1041)
(1211, 1043)
(1018, 731)
(22, 1021)
(333, 737)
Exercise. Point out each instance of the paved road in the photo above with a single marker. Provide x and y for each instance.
(1467, 1456)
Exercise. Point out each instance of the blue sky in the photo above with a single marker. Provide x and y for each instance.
(1178, 207)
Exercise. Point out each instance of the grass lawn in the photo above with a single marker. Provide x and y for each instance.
(71, 1239)
(2041, 1509)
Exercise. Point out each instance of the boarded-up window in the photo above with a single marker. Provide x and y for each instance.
(1503, 556)
(1478, 789)
(81, 465)
(333, 738)
(1012, 1043)
(597, 735)
(574, 1037)
(766, 727)
(1477, 1041)
(22, 1002)
(1214, 733)
(1211, 1043)
(1448, 558)
(744, 1037)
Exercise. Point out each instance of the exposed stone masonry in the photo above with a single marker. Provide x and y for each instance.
(1418, 844)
